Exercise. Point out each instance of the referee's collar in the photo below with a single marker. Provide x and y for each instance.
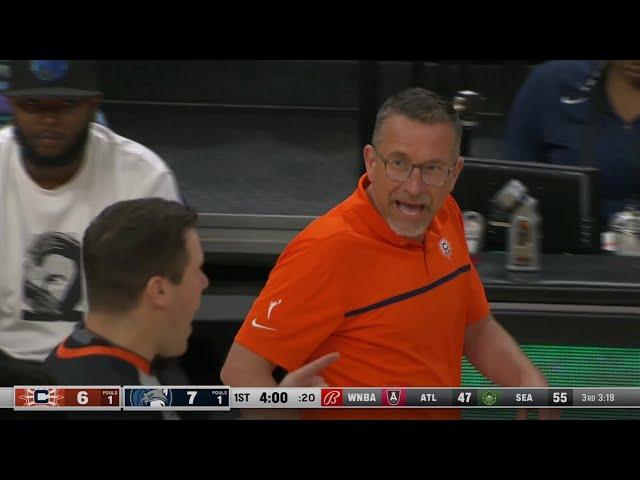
(83, 342)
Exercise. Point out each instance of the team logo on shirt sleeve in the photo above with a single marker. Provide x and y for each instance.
(445, 248)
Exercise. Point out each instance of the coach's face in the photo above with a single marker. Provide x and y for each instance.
(408, 198)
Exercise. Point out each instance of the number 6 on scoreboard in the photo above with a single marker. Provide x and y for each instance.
(82, 397)
(192, 395)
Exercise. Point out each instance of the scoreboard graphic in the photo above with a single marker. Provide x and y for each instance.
(67, 398)
(211, 398)
(224, 398)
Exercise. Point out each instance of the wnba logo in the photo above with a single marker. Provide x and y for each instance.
(331, 397)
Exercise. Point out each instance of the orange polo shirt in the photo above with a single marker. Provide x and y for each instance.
(396, 309)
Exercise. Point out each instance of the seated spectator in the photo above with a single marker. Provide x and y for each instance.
(582, 112)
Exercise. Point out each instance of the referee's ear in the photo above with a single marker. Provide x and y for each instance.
(157, 293)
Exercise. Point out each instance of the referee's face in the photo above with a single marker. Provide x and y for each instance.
(409, 206)
(185, 298)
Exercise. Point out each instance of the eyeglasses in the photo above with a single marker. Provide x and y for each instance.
(400, 169)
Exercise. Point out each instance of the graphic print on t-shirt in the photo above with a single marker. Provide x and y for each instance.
(52, 280)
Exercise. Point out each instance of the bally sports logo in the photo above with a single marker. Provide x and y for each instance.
(332, 397)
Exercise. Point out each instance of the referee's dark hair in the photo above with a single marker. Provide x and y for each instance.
(130, 242)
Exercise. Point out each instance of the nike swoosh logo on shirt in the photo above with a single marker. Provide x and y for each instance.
(573, 101)
(254, 323)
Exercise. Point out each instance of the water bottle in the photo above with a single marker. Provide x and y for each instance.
(625, 227)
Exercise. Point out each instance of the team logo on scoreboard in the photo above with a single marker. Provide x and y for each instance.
(41, 396)
(393, 397)
(331, 397)
(38, 397)
(151, 397)
(489, 398)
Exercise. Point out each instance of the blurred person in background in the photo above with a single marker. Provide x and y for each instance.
(582, 113)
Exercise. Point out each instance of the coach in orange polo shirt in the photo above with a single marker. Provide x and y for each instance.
(384, 278)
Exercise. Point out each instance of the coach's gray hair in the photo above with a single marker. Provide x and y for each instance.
(422, 106)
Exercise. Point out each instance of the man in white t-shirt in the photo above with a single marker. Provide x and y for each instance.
(58, 170)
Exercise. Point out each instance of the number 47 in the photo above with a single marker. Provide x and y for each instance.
(464, 397)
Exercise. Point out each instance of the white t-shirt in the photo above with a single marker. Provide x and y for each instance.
(41, 284)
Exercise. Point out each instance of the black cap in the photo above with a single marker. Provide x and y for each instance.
(53, 79)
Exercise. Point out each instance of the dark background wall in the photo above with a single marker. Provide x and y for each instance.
(282, 137)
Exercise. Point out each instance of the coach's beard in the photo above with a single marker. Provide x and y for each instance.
(405, 230)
